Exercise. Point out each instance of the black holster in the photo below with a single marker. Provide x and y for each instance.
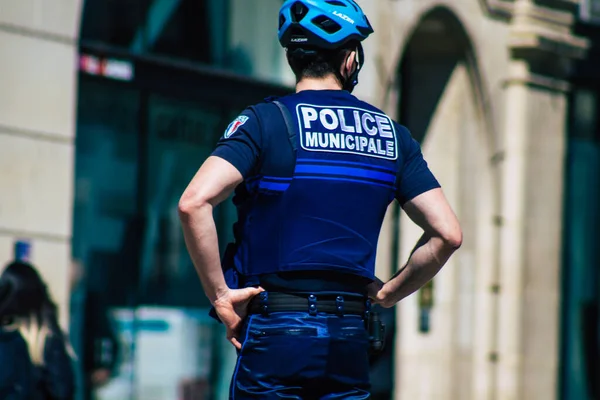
(376, 330)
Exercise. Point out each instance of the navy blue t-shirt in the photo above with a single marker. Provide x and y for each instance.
(246, 144)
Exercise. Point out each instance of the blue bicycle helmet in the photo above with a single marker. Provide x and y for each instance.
(323, 24)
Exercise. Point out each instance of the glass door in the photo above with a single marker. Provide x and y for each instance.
(180, 356)
(581, 275)
(140, 320)
(107, 225)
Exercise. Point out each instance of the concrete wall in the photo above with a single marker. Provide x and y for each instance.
(460, 138)
(458, 156)
(37, 129)
(496, 142)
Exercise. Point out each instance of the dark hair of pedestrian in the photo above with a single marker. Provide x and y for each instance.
(28, 307)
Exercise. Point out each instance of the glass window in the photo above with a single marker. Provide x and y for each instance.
(254, 47)
(235, 35)
(140, 309)
(181, 136)
(116, 22)
(584, 120)
(589, 11)
(189, 29)
(581, 283)
(106, 219)
(106, 224)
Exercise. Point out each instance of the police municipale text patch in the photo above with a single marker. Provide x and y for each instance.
(349, 130)
(235, 125)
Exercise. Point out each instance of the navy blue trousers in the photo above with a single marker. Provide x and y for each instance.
(298, 356)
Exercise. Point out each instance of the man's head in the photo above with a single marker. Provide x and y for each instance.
(323, 38)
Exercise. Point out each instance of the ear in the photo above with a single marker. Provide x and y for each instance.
(350, 64)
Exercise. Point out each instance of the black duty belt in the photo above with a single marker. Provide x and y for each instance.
(270, 302)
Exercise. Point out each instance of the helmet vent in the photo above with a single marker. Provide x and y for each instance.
(336, 3)
(327, 24)
(354, 5)
(281, 21)
(299, 11)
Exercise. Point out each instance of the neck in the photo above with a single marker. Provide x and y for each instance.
(327, 83)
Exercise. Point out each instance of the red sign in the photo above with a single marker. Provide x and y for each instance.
(106, 67)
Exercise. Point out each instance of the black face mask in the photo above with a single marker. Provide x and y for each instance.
(350, 83)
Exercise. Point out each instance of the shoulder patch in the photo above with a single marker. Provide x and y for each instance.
(235, 125)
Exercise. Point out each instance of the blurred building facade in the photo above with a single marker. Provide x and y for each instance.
(491, 89)
(108, 108)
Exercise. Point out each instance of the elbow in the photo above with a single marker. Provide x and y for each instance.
(453, 239)
(189, 204)
(185, 208)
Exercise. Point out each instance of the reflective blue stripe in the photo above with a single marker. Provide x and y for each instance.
(276, 178)
(332, 162)
(328, 178)
(278, 187)
(347, 171)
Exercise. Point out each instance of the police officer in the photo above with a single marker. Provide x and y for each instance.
(313, 174)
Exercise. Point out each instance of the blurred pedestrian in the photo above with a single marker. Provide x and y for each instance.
(16, 370)
(29, 315)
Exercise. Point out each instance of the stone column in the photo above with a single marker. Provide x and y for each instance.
(38, 49)
(542, 47)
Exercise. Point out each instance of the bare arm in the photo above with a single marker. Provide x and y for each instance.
(442, 237)
(213, 183)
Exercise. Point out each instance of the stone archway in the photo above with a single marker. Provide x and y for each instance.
(442, 103)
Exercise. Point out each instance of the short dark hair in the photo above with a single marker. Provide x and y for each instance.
(317, 63)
